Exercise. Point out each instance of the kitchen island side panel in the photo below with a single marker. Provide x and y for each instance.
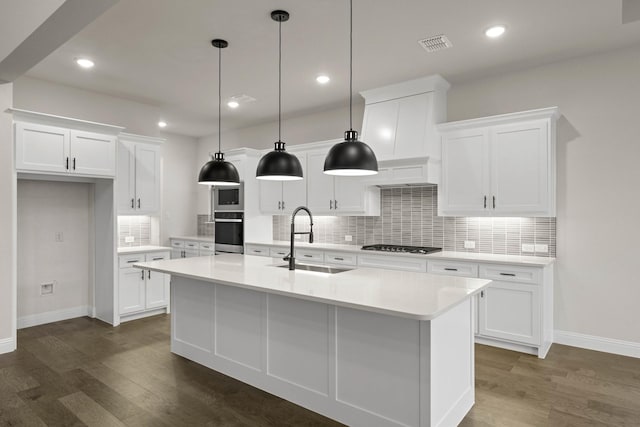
(358, 367)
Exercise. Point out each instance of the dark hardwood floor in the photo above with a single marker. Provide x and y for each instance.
(84, 372)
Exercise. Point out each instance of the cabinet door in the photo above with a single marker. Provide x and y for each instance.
(191, 253)
(349, 194)
(379, 128)
(157, 291)
(176, 253)
(147, 178)
(271, 197)
(125, 178)
(41, 148)
(511, 311)
(413, 112)
(520, 168)
(320, 186)
(294, 193)
(132, 289)
(93, 153)
(465, 173)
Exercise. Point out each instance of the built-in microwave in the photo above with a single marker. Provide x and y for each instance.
(228, 198)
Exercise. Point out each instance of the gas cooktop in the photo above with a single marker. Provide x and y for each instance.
(401, 249)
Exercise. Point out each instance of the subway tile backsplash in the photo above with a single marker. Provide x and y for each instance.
(139, 227)
(409, 217)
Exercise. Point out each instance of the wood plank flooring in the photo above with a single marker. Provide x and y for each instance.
(82, 372)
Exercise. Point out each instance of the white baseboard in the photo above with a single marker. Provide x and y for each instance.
(7, 345)
(54, 316)
(591, 342)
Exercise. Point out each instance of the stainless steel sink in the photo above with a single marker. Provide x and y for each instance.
(317, 268)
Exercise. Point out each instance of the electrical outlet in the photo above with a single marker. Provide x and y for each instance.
(469, 244)
(129, 239)
(543, 249)
(59, 237)
(348, 238)
(528, 248)
(46, 288)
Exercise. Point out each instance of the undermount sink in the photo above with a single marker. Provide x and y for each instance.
(317, 268)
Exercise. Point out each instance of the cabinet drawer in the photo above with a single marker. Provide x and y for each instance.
(257, 250)
(341, 258)
(127, 261)
(177, 244)
(393, 262)
(278, 252)
(453, 268)
(192, 245)
(207, 247)
(307, 255)
(508, 273)
(158, 256)
(204, 252)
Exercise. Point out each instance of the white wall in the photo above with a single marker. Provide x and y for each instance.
(598, 180)
(7, 218)
(179, 178)
(45, 208)
(320, 126)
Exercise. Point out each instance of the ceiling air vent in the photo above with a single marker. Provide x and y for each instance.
(435, 43)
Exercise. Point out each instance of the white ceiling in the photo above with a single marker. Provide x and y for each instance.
(159, 52)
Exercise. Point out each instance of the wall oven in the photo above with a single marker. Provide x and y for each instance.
(228, 198)
(229, 232)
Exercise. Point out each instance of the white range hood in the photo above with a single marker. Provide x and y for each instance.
(400, 125)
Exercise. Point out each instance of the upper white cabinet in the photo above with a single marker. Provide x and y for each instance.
(329, 195)
(139, 177)
(499, 166)
(57, 145)
(399, 125)
(282, 197)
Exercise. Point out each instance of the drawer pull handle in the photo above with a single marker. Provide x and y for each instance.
(133, 203)
(158, 258)
(131, 261)
(450, 269)
(257, 251)
(508, 274)
(308, 256)
(149, 277)
(338, 259)
(485, 202)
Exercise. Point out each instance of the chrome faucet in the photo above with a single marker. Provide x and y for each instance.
(291, 258)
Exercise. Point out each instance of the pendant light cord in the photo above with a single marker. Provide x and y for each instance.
(219, 99)
(279, 81)
(351, 64)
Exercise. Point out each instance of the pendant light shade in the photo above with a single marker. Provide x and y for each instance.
(351, 157)
(278, 165)
(218, 171)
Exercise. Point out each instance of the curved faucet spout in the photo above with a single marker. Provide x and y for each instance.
(291, 257)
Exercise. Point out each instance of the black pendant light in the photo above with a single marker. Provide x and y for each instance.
(217, 171)
(351, 157)
(278, 165)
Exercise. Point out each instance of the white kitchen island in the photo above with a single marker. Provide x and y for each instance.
(366, 347)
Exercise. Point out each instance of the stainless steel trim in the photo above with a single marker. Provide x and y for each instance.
(234, 249)
(227, 220)
(238, 207)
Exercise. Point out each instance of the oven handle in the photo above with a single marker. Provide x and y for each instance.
(227, 220)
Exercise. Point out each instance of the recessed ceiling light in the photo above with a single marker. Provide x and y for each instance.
(495, 31)
(85, 63)
(233, 104)
(162, 124)
(323, 79)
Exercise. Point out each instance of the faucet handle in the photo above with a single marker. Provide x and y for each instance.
(287, 257)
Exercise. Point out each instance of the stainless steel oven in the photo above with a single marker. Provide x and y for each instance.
(228, 198)
(229, 231)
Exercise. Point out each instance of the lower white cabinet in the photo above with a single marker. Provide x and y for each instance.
(191, 248)
(142, 291)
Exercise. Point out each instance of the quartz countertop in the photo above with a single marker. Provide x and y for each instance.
(418, 296)
(532, 261)
(206, 239)
(141, 249)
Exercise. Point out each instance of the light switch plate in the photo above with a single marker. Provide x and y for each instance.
(469, 244)
(528, 248)
(129, 239)
(348, 238)
(543, 249)
(46, 288)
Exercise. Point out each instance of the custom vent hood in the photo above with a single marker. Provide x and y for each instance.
(400, 126)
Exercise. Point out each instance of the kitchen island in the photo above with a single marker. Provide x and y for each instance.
(366, 347)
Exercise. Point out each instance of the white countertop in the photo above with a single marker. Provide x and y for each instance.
(418, 296)
(141, 249)
(532, 261)
(206, 239)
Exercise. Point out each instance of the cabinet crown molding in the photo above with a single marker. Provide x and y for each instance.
(501, 119)
(131, 137)
(50, 119)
